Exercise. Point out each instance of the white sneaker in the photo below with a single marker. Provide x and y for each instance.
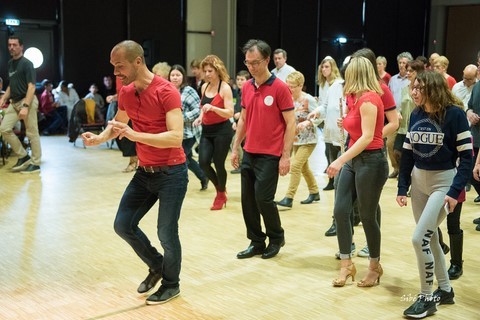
(337, 254)
(364, 253)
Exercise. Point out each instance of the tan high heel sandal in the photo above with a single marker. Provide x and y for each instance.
(352, 271)
(364, 283)
(132, 165)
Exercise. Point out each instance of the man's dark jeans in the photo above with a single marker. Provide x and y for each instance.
(169, 186)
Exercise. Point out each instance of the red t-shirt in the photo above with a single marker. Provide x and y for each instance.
(387, 97)
(264, 107)
(386, 78)
(46, 102)
(451, 82)
(148, 110)
(353, 122)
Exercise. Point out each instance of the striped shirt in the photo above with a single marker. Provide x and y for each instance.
(430, 145)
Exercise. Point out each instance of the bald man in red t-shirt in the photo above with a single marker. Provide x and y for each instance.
(155, 109)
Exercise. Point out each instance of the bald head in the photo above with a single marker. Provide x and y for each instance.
(470, 75)
(130, 49)
(471, 69)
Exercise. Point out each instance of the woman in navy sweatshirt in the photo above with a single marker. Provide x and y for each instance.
(438, 134)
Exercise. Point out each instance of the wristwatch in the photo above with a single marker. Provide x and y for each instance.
(24, 105)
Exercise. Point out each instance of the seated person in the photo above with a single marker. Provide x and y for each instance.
(93, 94)
(54, 114)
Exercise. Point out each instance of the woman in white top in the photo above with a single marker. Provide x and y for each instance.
(328, 72)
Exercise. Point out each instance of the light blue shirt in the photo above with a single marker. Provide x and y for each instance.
(396, 84)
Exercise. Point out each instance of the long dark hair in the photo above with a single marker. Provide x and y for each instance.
(436, 92)
(182, 71)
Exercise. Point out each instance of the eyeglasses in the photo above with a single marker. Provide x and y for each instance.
(418, 88)
(253, 63)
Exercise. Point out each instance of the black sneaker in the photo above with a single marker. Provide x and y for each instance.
(421, 308)
(163, 295)
(150, 281)
(443, 297)
(31, 169)
(22, 163)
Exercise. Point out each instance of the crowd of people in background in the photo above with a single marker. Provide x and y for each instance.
(420, 118)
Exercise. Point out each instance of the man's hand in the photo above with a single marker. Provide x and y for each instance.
(123, 130)
(284, 165)
(90, 139)
(472, 117)
(235, 159)
(23, 113)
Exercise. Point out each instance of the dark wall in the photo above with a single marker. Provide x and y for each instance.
(395, 26)
(26, 9)
(89, 31)
(462, 24)
(307, 29)
(282, 24)
(85, 31)
(91, 28)
(160, 25)
(331, 12)
(38, 28)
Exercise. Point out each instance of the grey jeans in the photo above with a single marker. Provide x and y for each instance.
(362, 178)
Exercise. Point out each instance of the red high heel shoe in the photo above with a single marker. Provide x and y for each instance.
(220, 201)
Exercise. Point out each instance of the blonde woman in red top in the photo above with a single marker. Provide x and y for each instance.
(363, 163)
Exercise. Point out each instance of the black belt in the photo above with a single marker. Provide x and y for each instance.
(151, 169)
(372, 151)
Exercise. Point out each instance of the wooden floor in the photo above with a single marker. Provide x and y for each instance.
(61, 259)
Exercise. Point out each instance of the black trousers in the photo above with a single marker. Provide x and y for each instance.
(259, 185)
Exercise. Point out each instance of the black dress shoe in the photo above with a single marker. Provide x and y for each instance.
(330, 185)
(332, 231)
(285, 202)
(204, 184)
(455, 271)
(250, 252)
(477, 199)
(272, 250)
(476, 220)
(311, 198)
(150, 281)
